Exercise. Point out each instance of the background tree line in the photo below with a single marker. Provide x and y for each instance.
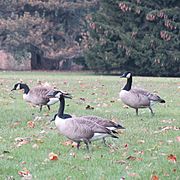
(114, 35)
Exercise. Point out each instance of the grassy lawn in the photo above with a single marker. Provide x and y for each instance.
(142, 151)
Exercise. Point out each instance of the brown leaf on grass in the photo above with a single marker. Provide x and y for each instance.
(89, 107)
(31, 124)
(172, 158)
(82, 99)
(178, 138)
(25, 174)
(133, 174)
(132, 158)
(120, 162)
(165, 128)
(21, 141)
(125, 106)
(69, 143)
(154, 177)
(126, 145)
(53, 156)
(17, 123)
(141, 141)
(87, 157)
(73, 154)
(168, 120)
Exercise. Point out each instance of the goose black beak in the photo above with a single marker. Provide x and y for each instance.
(13, 89)
(123, 76)
(67, 95)
(53, 94)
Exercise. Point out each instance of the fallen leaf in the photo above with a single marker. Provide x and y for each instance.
(31, 124)
(172, 158)
(89, 107)
(154, 177)
(132, 158)
(73, 154)
(35, 146)
(120, 162)
(141, 141)
(178, 138)
(125, 106)
(133, 174)
(82, 99)
(25, 174)
(53, 156)
(126, 145)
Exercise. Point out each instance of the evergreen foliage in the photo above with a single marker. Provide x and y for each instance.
(140, 36)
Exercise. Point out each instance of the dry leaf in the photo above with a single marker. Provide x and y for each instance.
(73, 154)
(25, 174)
(133, 174)
(53, 156)
(154, 177)
(126, 145)
(172, 158)
(141, 141)
(178, 138)
(31, 124)
(121, 162)
(89, 107)
(132, 158)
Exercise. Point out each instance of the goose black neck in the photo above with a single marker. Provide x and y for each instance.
(61, 107)
(128, 85)
(25, 87)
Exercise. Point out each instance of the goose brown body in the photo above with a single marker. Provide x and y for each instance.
(138, 98)
(36, 95)
(78, 129)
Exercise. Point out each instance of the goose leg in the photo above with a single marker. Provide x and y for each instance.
(40, 108)
(78, 145)
(104, 141)
(48, 107)
(136, 112)
(87, 144)
(152, 113)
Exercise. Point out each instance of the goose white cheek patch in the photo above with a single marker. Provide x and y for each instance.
(18, 87)
(128, 75)
(52, 101)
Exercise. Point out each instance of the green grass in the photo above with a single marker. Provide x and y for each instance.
(147, 146)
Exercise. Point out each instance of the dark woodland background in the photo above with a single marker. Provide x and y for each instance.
(104, 36)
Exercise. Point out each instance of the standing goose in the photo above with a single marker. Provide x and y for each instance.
(78, 129)
(37, 95)
(137, 98)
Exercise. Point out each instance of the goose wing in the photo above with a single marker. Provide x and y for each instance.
(38, 95)
(104, 122)
(151, 96)
(81, 128)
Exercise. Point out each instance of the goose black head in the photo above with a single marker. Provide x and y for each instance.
(59, 94)
(17, 87)
(126, 75)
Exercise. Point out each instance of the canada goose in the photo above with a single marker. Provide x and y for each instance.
(36, 95)
(78, 129)
(137, 98)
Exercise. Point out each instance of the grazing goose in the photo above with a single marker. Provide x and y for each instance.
(37, 95)
(78, 129)
(137, 98)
